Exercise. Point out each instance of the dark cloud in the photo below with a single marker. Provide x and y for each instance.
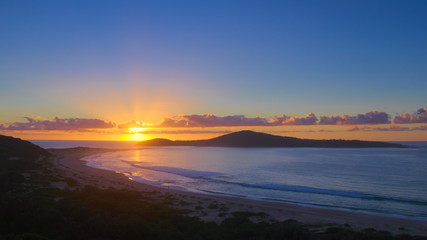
(33, 123)
(309, 119)
(390, 128)
(420, 116)
(153, 131)
(371, 117)
(210, 120)
(358, 128)
(301, 131)
(422, 128)
(393, 128)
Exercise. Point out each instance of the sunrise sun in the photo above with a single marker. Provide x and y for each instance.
(135, 134)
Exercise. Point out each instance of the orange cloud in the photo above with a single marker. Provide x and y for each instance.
(371, 117)
(131, 124)
(210, 120)
(57, 123)
(418, 117)
(309, 119)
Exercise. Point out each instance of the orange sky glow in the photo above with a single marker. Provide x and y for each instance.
(140, 134)
(136, 71)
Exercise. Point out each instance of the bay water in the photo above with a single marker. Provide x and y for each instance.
(381, 181)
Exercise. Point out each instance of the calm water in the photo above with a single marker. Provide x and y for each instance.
(380, 181)
(92, 144)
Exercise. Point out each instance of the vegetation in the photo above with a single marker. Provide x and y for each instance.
(15, 148)
(31, 209)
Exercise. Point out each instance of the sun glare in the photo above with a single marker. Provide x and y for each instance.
(135, 137)
(136, 130)
(136, 134)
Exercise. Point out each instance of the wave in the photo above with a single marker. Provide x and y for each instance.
(177, 171)
(223, 193)
(330, 192)
(305, 189)
(211, 176)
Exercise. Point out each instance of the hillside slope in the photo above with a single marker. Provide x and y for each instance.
(256, 139)
(18, 148)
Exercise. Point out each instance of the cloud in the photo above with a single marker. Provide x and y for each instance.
(422, 128)
(358, 128)
(393, 128)
(361, 122)
(210, 120)
(309, 119)
(152, 131)
(301, 131)
(131, 124)
(420, 116)
(371, 117)
(32, 118)
(33, 123)
(390, 128)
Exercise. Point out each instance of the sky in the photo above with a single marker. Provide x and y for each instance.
(135, 70)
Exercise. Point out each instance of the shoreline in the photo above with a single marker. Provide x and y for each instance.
(236, 196)
(209, 206)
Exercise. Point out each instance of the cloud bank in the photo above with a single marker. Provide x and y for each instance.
(131, 124)
(371, 117)
(33, 123)
(211, 120)
(361, 121)
(309, 119)
(420, 116)
(390, 128)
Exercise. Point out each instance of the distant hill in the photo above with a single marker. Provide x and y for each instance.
(250, 139)
(18, 148)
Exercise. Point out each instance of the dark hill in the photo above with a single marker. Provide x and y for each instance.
(257, 139)
(15, 147)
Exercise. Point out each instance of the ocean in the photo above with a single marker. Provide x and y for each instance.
(380, 181)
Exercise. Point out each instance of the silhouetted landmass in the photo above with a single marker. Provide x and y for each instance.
(250, 139)
(11, 147)
(17, 157)
(30, 208)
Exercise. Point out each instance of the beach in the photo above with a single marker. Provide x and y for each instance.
(68, 164)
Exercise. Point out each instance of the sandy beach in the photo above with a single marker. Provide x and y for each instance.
(68, 164)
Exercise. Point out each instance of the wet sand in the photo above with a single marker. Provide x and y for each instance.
(68, 163)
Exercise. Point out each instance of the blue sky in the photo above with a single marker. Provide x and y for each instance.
(162, 58)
